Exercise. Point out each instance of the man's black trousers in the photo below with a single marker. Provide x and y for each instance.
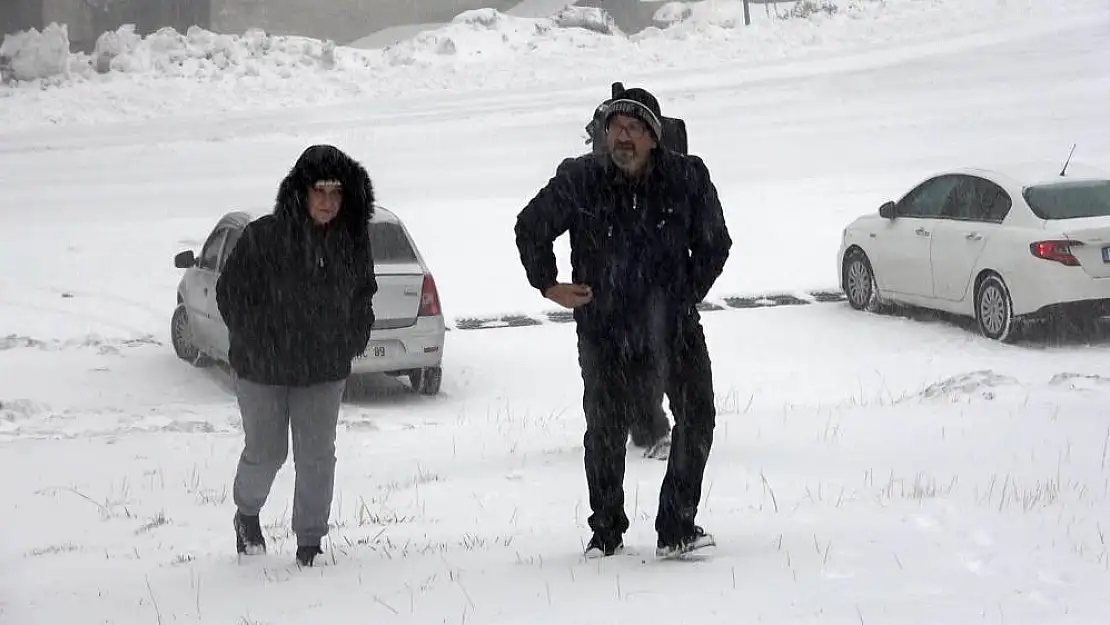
(614, 392)
(649, 427)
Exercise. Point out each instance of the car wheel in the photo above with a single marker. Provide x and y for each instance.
(859, 282)
(426, 381)
(182, 338)
(994, 309)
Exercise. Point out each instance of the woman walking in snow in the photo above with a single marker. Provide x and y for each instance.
(296, 294)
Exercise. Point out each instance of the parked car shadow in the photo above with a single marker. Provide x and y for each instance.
(380, 389)
(1057, 331)
(375, 390)
(1064, 332)
(220, 375)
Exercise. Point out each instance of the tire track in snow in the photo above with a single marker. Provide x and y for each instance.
(738, 302)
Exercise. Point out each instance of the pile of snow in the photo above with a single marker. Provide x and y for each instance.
(200, 52)
(672, 13)
(33, 55)
(393, 35)
(132, 77)
(526, 9)
(539, 8)
(484, 34)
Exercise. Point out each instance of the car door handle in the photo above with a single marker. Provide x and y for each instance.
(206, 290)
(973, 236)
(922, 232)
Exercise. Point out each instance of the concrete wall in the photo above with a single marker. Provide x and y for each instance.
(17, 15)
(340, 20)
(77, 18)
(86, 20)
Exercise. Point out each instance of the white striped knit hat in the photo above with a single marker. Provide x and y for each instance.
(638, 103)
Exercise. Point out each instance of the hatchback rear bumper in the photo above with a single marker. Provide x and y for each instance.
(401, 349)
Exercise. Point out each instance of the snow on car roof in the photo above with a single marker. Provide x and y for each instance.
(1029, 173)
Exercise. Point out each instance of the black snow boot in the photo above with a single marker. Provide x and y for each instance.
(698, 539)
(602, 545)
(306, 554)
(248, 535)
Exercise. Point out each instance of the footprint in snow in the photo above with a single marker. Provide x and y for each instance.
(976, 564)
(925, 523)
(1052, 579)
(981, 538)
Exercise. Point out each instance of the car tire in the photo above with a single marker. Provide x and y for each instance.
(426, 381)
(994, 309)
(858, 279)
(182, 339)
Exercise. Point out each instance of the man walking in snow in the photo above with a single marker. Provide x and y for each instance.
(648, 240)
(296, 294)
(648, 429)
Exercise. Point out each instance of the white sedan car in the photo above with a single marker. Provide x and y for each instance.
(408, 334)
(1002, 247)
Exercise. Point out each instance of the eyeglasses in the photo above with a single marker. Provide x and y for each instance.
(634, 128)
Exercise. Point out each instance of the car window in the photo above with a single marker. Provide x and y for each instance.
(389, 244)
(232, 238)
(963, 200)
(928, 198)
(1070, 200)
(977, 199)
(210, 253)
(996, 202)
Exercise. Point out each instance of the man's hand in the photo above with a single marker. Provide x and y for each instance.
(570, 295)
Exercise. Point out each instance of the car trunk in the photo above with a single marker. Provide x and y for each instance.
(1094, 234)
(397, 302)
(1080, 210)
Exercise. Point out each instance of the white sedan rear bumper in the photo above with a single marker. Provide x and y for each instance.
(1040, 285)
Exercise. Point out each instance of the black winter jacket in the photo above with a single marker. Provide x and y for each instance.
(662, 237)
(297, 297)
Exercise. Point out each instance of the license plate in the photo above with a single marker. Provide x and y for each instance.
(1106, 254)
(374, 351)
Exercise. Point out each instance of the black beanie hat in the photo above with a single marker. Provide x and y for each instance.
(638, 103)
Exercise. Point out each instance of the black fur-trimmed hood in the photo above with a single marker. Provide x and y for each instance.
(327, 162)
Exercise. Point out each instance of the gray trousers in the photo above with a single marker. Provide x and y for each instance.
(269, 413)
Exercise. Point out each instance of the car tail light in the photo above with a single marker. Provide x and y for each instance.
(429, 298)
(1057, 250)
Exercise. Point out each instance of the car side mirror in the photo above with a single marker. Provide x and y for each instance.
(185, 259)
(886, 211)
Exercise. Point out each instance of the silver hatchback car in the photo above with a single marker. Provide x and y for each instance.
(408, 335)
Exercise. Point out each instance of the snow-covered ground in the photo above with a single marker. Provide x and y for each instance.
(896, 473)
(796, 148)
(866, 469)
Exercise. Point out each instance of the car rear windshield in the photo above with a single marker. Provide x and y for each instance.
(390, 245)
(1070, 200)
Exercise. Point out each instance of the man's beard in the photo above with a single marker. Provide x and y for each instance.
(625, 158)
